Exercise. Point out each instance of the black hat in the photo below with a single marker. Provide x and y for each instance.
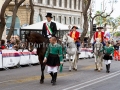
(75, 27)
(99, 27)
(49, 15)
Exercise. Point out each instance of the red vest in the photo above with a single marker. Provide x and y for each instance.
(77, 34)
(96, 36)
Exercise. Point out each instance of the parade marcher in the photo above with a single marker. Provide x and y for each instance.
(99, 34)
(49, 28)
(108, 56)
(75, 35)
(116, 51)
(53, 58)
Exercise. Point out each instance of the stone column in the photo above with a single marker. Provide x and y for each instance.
(68, 1)
(63, 1)
(57, 3)
(51, 2)
(44, 2)
(77, 4)
(72, 4)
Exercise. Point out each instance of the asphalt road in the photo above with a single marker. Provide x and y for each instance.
(85, 78)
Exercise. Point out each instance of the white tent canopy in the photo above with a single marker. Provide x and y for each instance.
(40, 25)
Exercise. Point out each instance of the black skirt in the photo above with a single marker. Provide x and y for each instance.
(107, 57)
(53, 60)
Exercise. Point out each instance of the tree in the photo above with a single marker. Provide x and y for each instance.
(17, 5)
(97, 17)
(2, 17)
(85, 7)
(117, 34)
(32, 12)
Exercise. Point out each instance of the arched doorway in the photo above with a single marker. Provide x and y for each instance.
(39, 18)
(17, 25)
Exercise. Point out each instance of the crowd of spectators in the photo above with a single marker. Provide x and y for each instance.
(10, 44)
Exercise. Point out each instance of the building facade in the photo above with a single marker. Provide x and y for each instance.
(67, 12)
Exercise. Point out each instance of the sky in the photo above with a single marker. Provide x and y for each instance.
(108, 5)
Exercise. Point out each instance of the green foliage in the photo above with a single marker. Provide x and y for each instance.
(117, 34)
(113, 22)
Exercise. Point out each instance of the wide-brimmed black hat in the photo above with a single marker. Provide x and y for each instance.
(75, 27)
(99, 27)
(49, 15)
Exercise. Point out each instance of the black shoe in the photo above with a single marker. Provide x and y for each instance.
(51, 76)
(107, 71)
(51, 81)
(54, 83)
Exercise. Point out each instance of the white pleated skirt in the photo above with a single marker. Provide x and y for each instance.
(52, 69)
(107, 62)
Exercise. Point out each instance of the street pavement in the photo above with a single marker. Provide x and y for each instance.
(85, 78)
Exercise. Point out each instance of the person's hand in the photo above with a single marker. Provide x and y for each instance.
(110, 54)
(61, 62)
(45, 60)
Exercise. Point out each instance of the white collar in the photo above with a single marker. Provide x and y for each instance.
(48, 22)
(55, 44)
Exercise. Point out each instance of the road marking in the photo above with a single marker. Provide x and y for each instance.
(88, 67)
(33, 78)
(97, 82)
(100, 78)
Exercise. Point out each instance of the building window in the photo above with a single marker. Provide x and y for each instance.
(59, 19)
(60, 3)
(40, 1)
(39, 18)
(69, 20)
(48, 2)
(16, 27)
(78, 20)
(65, 3)
(74, 20)
(79, 4)
(54, 2)
(70, 3)
(54, 18)
(74, 4)
(65, 20)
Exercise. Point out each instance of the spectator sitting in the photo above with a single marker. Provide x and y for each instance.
(10, 44)
(2, 44)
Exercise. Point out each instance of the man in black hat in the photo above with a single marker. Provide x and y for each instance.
(49, 28)
(99, 34)
(75, 35)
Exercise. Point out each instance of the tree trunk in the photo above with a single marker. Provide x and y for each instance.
(32, 12)
(2, 17)
(85, 27)
(91, 31)
(105, 27)
(14, 19)
(85, 7)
